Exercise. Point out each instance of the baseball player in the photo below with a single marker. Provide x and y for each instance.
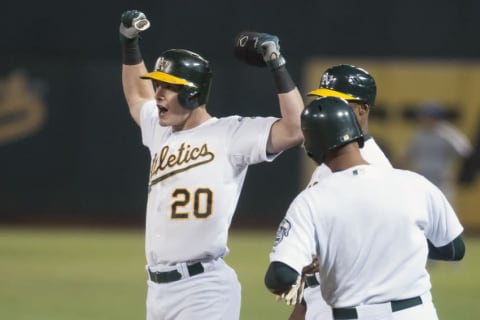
(359, 88)
(370, 226)
(198, 166)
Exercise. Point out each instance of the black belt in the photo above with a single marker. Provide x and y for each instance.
(174, 275)
(311, 281)
(351, 313)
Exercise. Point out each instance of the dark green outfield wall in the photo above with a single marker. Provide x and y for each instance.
(68, 148)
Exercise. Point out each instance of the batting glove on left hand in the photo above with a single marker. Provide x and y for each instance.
(258, 49)
(295, 294)
(269, 47)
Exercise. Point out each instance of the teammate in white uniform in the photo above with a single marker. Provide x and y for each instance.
(372, 227)
(358, 87)
(198, 166)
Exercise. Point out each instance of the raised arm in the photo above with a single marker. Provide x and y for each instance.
(286, 132)
(137, 91)
(262, 49)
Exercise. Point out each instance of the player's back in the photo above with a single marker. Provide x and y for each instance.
(370, 224)
(371, 152)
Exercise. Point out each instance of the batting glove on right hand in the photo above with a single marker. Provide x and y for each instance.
(295, 294)
(132, 23)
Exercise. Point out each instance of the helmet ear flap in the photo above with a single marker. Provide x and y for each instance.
(318, 158)
(188, 97)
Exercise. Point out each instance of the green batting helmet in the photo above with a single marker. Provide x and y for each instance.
(347, 82)
(328, 123)
(185, 68)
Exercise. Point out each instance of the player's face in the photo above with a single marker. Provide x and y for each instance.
(361, 110)
(170, 112)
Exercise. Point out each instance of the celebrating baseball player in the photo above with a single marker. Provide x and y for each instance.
(372, 227)
(359, 88)
(198, 166)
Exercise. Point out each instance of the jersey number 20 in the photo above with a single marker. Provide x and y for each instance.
(200, 201)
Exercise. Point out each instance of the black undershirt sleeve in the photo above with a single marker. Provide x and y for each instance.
(454, 251)
(280, 276)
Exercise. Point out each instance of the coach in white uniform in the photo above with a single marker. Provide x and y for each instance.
(372, 227)
(198, 166)
(359, 88)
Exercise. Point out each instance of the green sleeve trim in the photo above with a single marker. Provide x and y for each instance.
(280, 276)
(454, 251)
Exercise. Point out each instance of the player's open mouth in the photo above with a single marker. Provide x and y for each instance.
(162, 110)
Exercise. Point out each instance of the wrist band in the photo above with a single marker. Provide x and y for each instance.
(276, 63)
(283, 81)
(131, 54)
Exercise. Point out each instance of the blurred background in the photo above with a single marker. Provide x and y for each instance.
(70, 155)
(70, 152)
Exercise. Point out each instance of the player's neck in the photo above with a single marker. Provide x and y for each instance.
(197, 117)
(344, 157)
(364, 127)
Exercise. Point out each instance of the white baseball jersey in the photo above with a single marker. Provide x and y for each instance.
(317, 308)
(371, 152)
(196, 178)
(368, 225)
